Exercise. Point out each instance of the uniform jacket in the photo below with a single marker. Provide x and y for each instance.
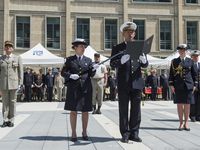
(198, 74)
(152, 80)
(126, 76)
(49, 80)
(79, 92)
(182, 74)
(164, 80)
(11, 72)
(28, 79)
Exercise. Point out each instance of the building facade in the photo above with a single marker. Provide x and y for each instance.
(56, 23)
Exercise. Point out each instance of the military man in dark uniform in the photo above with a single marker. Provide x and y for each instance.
(165, 85)
(129, 84)
(182, 80)
(28, 83)
(195, 108)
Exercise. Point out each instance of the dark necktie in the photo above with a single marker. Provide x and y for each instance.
(182, 61)
(197, 66)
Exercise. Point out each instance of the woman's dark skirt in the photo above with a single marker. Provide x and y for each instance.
(183, 96)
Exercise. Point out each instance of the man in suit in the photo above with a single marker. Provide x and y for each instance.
(49, 83)
(195, 108)
(11, 76)
(165, 85)
(152, 81)
(28, 83)
(130, 85)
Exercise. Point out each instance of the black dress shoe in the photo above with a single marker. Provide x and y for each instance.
(85, 138)
(136, 139)
(74, 139)
(186, 128)
(10, 124)
(180, 129)
(125, 138)
(193, 119)
(5, 124)
(197, 118)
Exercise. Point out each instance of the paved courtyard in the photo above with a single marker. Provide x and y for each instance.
(46, 126)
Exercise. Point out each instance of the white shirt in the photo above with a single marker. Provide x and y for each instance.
(101, 70)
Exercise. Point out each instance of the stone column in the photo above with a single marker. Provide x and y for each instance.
(180, 23)
(68, 28)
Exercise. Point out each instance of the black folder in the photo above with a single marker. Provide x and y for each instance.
(136, 48)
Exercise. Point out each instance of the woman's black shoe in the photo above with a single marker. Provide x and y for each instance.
(85, 137)
(187, 129)
(74, 139)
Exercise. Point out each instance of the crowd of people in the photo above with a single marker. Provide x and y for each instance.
(42, 87)
(88, 83)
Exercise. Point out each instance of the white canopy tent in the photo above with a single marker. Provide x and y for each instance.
(39, 56)
(153, 61)
(89, 52)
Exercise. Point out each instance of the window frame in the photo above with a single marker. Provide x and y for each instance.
(104, 27)
(143, 19)
(172, 35)
(186, 35)
(76, 23)
(52, 16)
(15, 29)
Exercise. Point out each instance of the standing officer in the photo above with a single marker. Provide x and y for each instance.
(49, 83)
(165, 85)
(28, 84)
(11, 76)
(130, 85)
(195, 108)
(99, 80)
(152, 81)
(77, 72)
(182, 80)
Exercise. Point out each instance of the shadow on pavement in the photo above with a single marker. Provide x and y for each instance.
(157, 128)
(170, 120)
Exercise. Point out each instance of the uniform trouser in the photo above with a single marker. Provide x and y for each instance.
(9, 104)
(195, 108)
(153, 93)
(49, 93)
(165, 93)
(97, 91)
(28, 92)
(59, 93)
(129, 124)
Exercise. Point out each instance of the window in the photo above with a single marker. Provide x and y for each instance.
(23, 32)
(192, 34)
(83, 29)
(140, 29)
(192, 1)
(152, 0)
(165, 35)
(53, 32)
(110, 33)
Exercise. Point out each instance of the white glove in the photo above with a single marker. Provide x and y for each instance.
(125, 58)
(74, 76)
(143, 59)
(95, 66)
